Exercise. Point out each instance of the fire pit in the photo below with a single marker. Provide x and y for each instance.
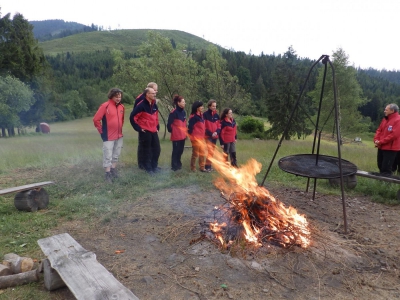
(251, 213)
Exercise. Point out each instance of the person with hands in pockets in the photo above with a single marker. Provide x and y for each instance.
(228, 135)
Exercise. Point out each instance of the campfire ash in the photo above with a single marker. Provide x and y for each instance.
(251, 212)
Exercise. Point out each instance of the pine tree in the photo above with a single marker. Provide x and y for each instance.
(283, 97)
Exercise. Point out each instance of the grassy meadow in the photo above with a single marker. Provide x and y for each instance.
(71, 155)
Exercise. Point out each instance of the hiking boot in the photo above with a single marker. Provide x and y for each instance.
(108, 177)
(114, 173)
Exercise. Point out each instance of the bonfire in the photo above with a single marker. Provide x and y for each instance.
(251, 212)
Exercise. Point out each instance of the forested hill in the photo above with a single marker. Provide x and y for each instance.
(127, 40)
(391, 76)
(54, 29)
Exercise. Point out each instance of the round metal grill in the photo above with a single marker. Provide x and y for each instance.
(316, 166)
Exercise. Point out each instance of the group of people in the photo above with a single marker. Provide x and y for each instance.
(203, 130)
(387, 140)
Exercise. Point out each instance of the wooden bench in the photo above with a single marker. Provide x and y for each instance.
(376, 176)
(30, 197)
(81, 272)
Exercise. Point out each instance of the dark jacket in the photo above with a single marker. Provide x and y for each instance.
(139, 98)
(228, 131)
(196, 128)
(388, 133)
(145, 116)
(212, 123)
(177, 124)
(109, 120)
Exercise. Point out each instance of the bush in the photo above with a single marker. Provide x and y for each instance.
(250, 125)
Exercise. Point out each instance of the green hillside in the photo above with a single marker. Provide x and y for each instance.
(126, 40)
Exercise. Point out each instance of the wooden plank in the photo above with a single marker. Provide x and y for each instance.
(25, 187)
(378, 177)
(82, 273)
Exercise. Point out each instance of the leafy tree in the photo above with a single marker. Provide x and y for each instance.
(15, 97)
(217, 83)
(21, 57)
(349, 96)
(172, 69)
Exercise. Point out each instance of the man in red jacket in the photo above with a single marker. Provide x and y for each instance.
(109, 120)
(144, 119)
(387, 139)
(140, 149)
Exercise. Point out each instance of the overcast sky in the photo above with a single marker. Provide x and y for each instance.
(367, 30)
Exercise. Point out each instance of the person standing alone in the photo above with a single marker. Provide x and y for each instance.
(109, 120)
(387, 139)
(213, 128)
(177, 127)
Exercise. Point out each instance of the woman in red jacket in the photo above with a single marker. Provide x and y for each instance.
(228, 135)
(177, 127)
(197, 130)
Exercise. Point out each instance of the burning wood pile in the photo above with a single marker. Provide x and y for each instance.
(250, 212)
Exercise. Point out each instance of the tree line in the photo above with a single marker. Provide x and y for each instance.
(35, 88)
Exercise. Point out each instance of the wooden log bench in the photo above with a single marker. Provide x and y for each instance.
(30, 197)
(80, 271)
(351, 181)
(376, 176)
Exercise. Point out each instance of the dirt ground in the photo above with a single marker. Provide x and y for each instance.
(165, 259)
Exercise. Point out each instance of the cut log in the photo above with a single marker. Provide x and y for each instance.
(18, 279)
(52, 280)
(4, 270)
(10, 256)
(18, 264)
(31, 200)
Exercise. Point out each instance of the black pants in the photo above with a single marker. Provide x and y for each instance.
(151, 150)
(396, 164)
(385, 161)
(140, 154)
(177, 150)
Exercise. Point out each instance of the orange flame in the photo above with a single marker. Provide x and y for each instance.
(284, 223)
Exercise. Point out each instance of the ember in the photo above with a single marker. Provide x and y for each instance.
(250, 211)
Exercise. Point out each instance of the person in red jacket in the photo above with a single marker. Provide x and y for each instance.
(144, 119)
(228, 135)
(196, 131)
(213, 128)
(387, 139)
(109, 120)
(177, 127)
(139, 99)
